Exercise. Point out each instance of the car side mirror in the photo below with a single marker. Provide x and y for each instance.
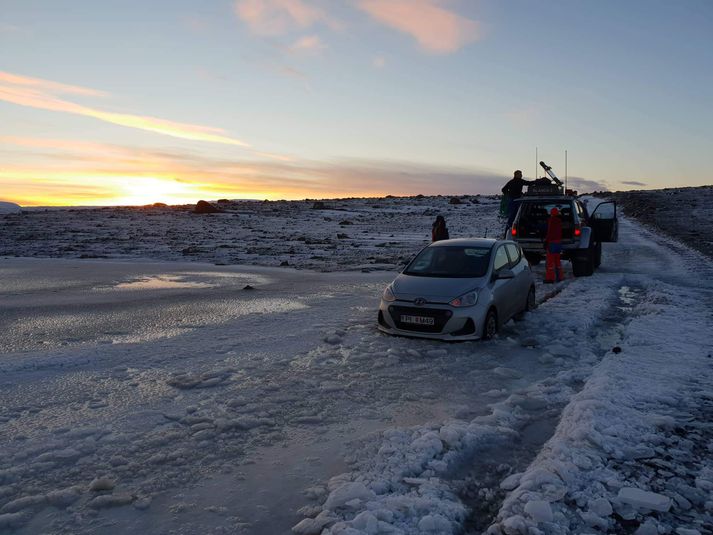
(504, 274)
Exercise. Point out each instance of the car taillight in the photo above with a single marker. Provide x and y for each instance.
(513, 231)
(577, 231)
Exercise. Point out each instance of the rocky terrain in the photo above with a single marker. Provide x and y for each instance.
(681, 213)
(328, 235)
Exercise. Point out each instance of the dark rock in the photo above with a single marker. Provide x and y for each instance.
(455, 200)
(223, 201)
(345, 222)
(341, 236)
(319, 205)
(203, 207)
(284, 263)
(248, 287)
(616, 349)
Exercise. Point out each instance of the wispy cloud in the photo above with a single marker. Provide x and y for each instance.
(308, 44)
(39, 85)
(586, 185)
(43, 94)
(436, 29)
(634, 183)
(277, 17)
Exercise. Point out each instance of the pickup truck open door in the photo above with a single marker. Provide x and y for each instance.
(604, 222)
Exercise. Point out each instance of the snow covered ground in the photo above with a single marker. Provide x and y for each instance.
(184, 397)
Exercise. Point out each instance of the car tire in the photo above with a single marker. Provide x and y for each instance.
(530, 304)
(490, 326)
(583, 264)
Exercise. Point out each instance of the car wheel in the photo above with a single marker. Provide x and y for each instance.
(530, 304)
(490, 327)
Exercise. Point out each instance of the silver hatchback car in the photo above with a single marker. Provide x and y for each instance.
(462, 289)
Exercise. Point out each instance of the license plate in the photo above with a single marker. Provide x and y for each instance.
(418, 320)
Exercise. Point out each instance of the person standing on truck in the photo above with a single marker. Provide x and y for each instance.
(553, 247)
(513, 190)
(439, 230)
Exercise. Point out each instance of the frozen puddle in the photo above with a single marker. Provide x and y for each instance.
(162, 282)
(190, 280)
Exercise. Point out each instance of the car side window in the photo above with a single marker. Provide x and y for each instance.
(581, 211)
(513, 253)
(501, 259)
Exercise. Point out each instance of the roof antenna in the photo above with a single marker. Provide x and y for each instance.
(565, 171)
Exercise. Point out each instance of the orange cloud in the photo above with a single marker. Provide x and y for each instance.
(437, 29)
(47, 85)
(277, 17)
(37, 93)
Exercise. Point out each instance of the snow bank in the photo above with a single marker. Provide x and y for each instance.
(628, 446)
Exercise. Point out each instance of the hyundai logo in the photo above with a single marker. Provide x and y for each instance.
(419, 301)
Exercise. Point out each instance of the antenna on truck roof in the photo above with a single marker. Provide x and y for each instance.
(565, 170)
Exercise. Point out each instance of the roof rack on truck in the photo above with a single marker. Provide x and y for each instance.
(546, 186)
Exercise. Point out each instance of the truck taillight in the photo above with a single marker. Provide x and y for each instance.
(577, 231)
(513, 231)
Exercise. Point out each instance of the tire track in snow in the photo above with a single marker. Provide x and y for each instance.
(489, 478)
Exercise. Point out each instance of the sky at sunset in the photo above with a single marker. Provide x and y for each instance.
(134, 102)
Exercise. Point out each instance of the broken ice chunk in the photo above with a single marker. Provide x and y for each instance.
(643, 499)
(539, 510)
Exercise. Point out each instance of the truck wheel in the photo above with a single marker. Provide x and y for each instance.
(598, 254)
(583, 264)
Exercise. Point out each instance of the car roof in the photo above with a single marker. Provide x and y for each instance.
(467, 242)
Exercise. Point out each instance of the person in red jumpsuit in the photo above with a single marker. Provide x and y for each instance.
(553, 247)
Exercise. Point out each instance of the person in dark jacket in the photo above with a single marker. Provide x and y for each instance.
(513, 190)
(439, 231)
(553, 247)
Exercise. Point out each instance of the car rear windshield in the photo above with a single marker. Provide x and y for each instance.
(534, 216)
(450, 262)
